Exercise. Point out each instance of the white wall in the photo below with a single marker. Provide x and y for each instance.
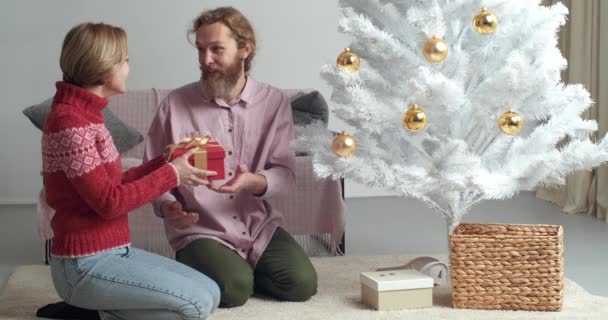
(295, 38)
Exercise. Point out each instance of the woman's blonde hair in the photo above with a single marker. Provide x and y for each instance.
(90, 52)
(236, 22)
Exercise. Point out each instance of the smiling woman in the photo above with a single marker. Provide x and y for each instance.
(93, 265)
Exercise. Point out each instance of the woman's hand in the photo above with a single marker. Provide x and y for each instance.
(188, 174)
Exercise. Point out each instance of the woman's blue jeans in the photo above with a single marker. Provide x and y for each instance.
(129, 283)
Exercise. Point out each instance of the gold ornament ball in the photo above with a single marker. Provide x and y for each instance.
(348, 60)
(510, 123)
(414, 119)
(435, 49)
(485, 22)
(344, 145)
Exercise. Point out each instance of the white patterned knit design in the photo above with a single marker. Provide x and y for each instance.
(77, 151)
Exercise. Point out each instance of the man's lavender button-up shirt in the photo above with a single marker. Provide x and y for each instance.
(255, 129)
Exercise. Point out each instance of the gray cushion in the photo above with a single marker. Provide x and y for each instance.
(124, 136)
(309, 107)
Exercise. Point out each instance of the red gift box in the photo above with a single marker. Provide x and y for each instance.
(209, 155)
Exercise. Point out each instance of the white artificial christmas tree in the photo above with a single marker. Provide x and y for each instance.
(460, 156)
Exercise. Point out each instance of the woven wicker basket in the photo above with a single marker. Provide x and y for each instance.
(507, 266)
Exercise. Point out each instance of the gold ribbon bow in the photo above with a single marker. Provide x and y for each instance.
(200, 156)
(195, 142)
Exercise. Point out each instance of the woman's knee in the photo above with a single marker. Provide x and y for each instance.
(213, 294)
(202, 306)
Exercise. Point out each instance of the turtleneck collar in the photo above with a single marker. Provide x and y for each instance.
(79, 97)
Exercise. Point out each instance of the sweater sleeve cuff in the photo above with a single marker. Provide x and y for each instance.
(176, 173)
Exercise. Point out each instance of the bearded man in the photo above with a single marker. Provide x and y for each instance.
(226, 229)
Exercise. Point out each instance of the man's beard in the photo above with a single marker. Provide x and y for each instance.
(222, 86)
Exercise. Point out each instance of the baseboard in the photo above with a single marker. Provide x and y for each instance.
(18, 201)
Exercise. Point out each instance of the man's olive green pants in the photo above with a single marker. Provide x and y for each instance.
(283, 271)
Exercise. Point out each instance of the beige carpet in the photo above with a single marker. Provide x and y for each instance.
(338, 298)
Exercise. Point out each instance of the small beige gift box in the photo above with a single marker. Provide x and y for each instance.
(396, 289)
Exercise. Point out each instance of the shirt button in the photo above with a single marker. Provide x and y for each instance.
(243, 233)
(229, 130)
(232, 197)
(242, 250)
(234, 217)
(230, 174)
(229, 153)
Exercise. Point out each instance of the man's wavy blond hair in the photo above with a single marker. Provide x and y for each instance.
(242, 30)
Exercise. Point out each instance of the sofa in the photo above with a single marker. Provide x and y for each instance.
(314, 213)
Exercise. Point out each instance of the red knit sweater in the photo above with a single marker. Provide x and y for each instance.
(83, 177)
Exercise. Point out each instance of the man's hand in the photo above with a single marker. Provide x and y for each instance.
(175, 216)
(243, 180)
